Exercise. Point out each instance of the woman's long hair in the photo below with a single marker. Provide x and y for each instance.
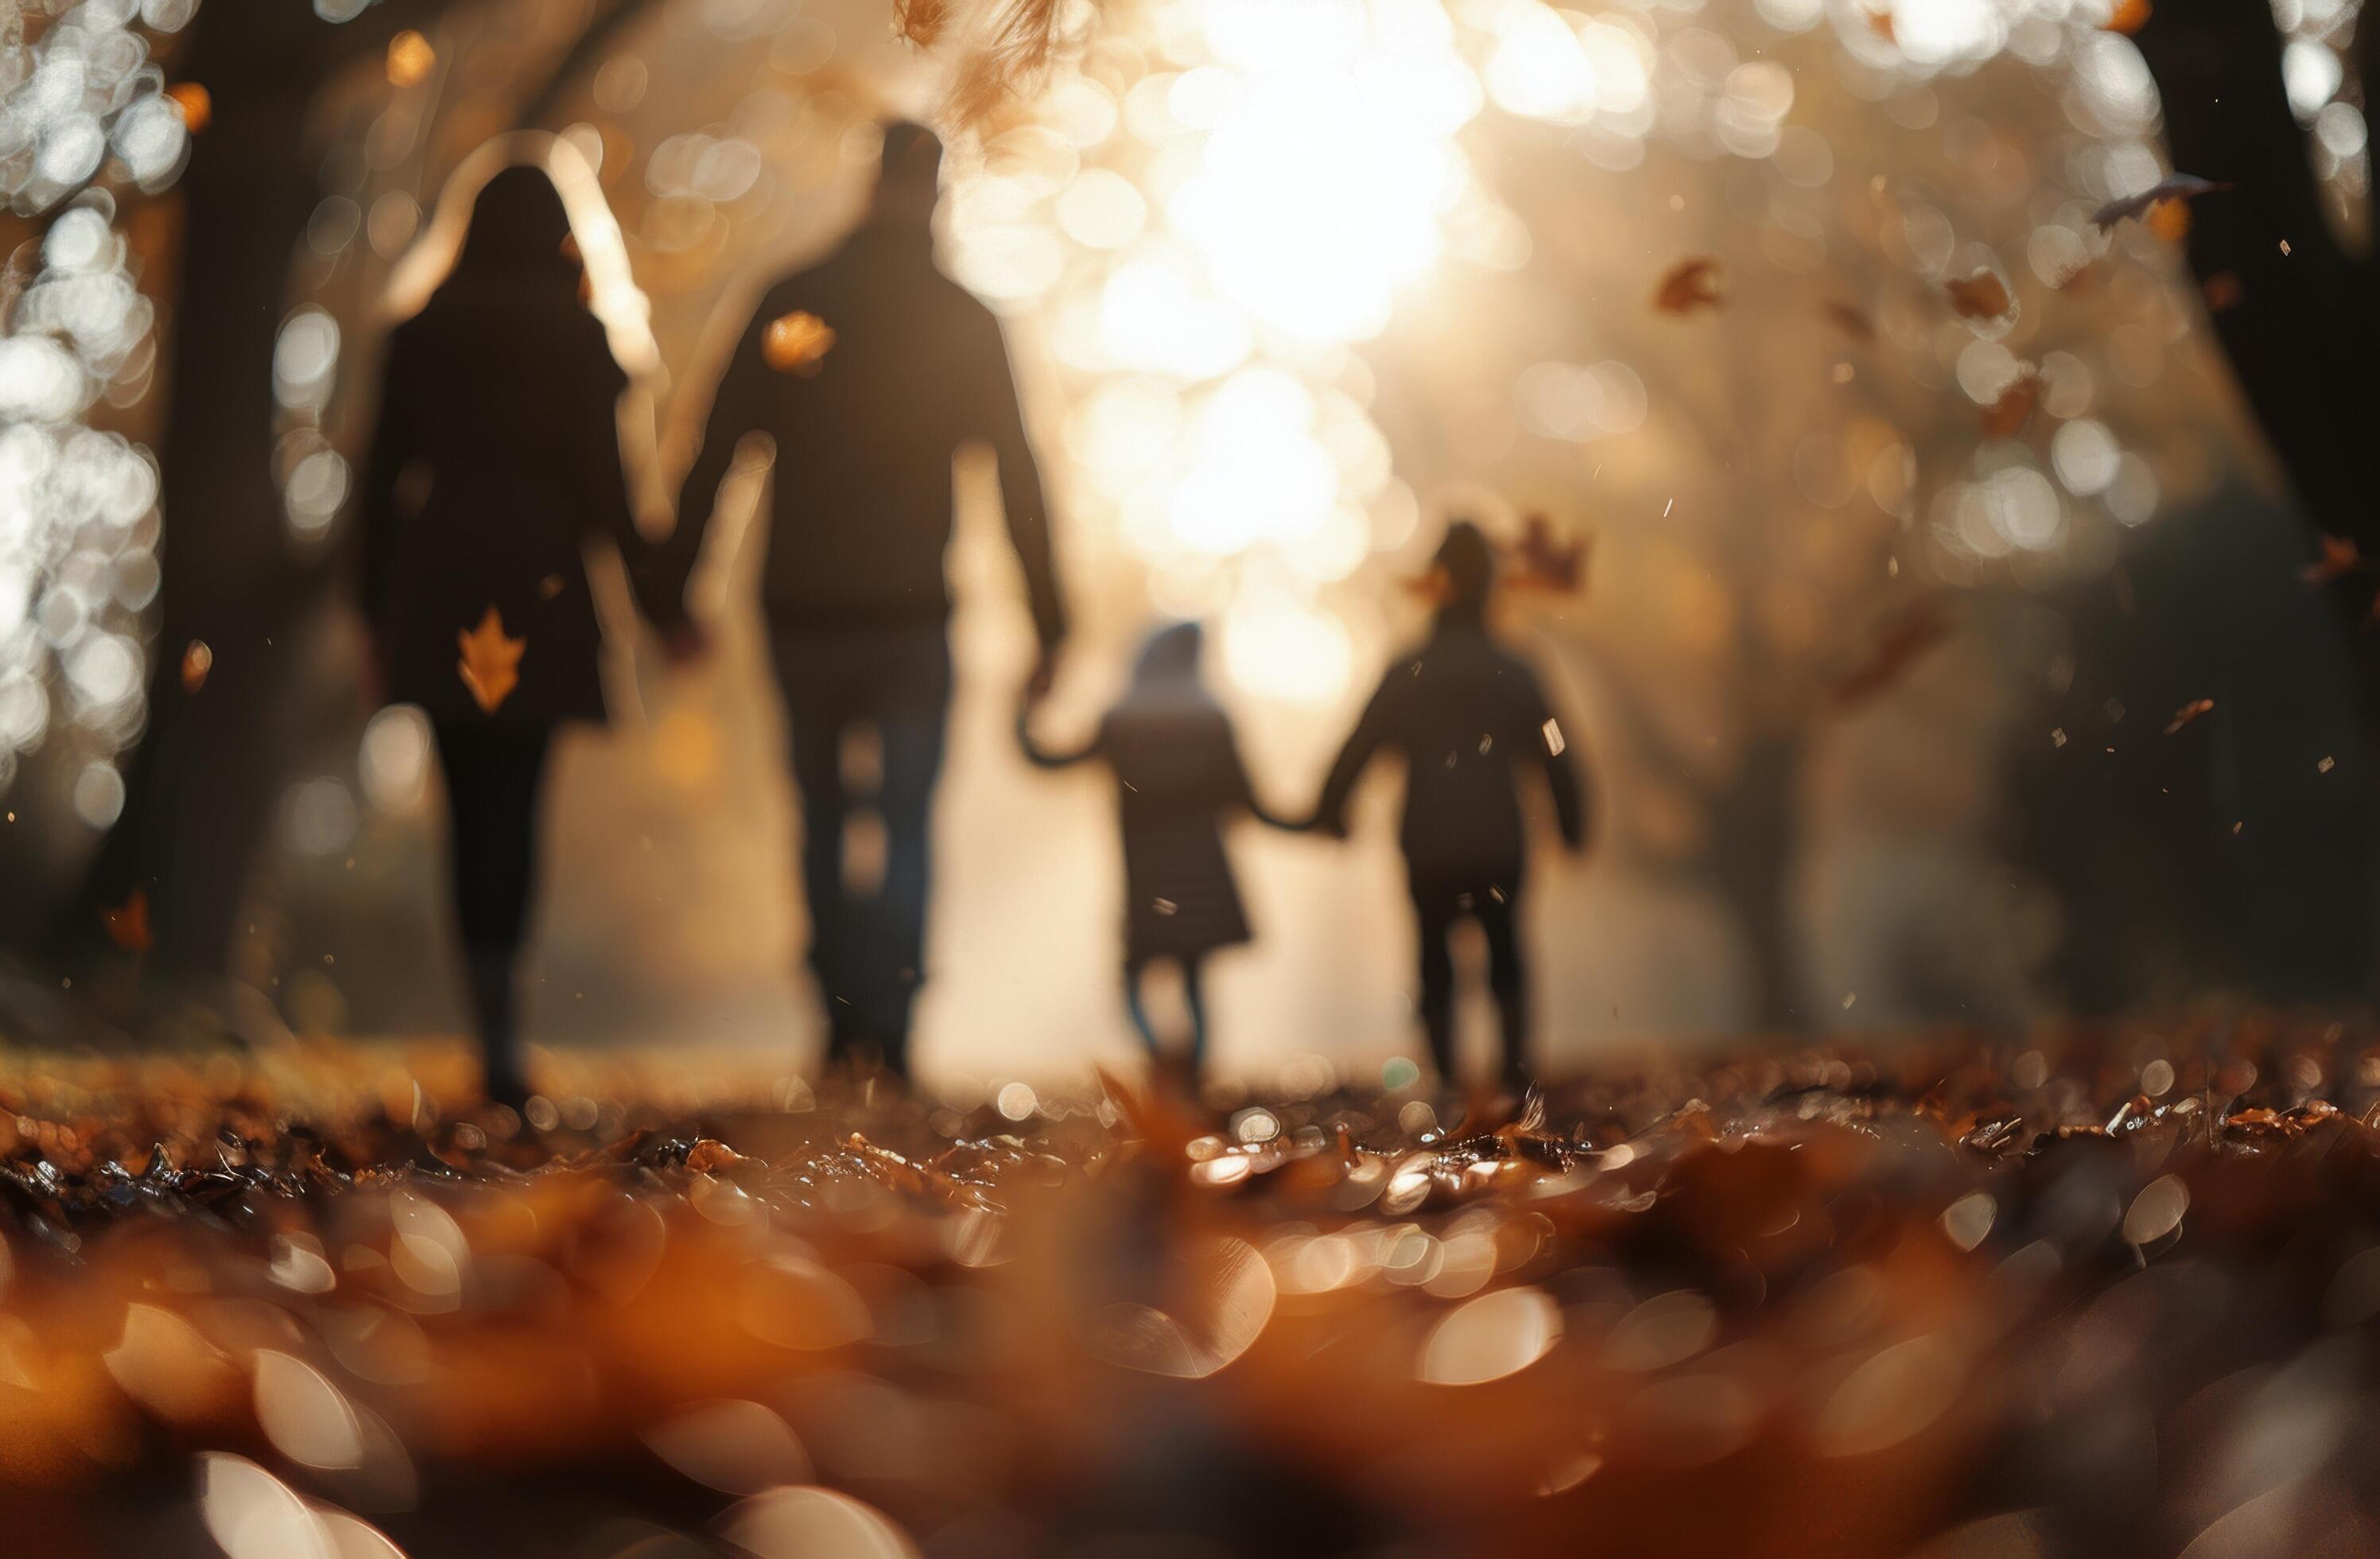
(439, 256)
(519, 238)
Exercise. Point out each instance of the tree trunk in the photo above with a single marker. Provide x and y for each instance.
(1753, 831)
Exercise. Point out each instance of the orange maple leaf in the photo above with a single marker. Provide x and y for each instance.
(1980, 297)
(794, 342)
(490, 663)
(129, 927)
(1688, 286)
(2007, 417)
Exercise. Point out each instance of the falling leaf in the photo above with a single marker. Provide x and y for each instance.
(2168, 221)
(2007, 417)
(2178, 187)
(1901, 644)
(490, 663)
(1980, 297)
(1545, 561)
(2189, 712)
(127, 927)
(2129, 17)
(920, 21)
(197, 104)
(2340, 556)
(197, 659)
(1852, 319)
(2223, 291)
(796, 343)
(1689, 285)
(410, 58)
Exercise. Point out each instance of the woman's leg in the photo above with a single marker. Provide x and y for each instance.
(494, 779)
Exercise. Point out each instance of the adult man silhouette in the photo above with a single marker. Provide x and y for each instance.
(868, 369)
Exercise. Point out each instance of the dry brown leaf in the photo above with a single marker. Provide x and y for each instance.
(127, 927)
(796, 343)
(2189, 712)
(1980, 297)
(2172, 190)
(2129, 17)
(2007, 417)
(490, 663)
(1688, 286)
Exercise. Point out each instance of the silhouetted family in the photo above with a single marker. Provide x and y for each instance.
(497, 457)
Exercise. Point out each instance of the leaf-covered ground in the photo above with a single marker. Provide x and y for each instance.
(2110, 1292)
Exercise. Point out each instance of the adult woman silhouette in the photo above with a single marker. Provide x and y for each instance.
(496, 458)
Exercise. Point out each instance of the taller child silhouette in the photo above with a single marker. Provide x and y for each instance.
(868, 370)
(1467, 715)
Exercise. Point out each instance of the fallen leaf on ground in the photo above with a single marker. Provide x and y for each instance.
(1689, 285)
(490, 663)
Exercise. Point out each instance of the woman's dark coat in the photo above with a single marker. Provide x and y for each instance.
(497, 457)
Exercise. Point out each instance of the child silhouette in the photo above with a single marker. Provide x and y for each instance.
(1179, 776)
(1466, 714)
